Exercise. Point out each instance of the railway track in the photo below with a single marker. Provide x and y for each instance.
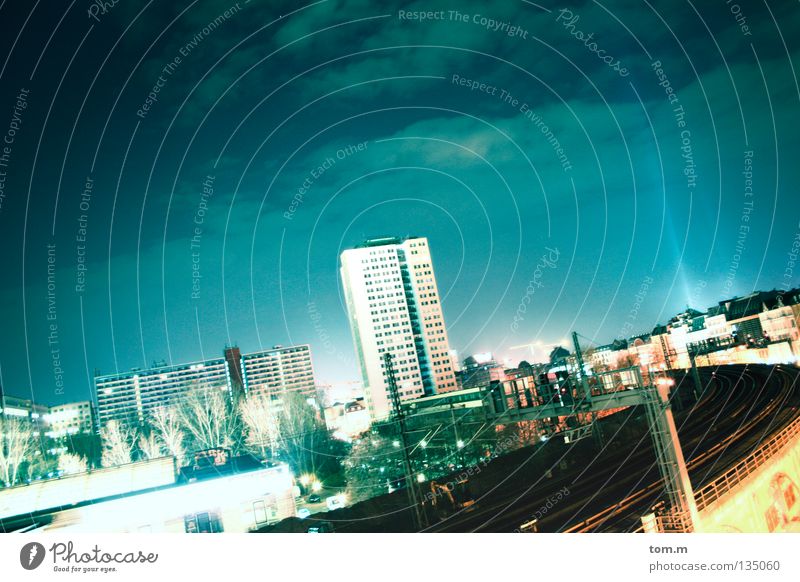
(758, 403)
(739, 407)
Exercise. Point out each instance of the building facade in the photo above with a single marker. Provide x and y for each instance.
(70, 419)
(478, 372)
(22, 408)
(279, 370)
(763, 326)
(131, 396)
(394, 307)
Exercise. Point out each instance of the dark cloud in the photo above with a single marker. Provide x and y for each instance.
(264, 96)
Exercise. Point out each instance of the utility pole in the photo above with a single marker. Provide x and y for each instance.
(411, 482)
(458, 442)
(671, 463)
(698, 385)
(597, 433)
(587, 395)
(665, 350)
(578, 354)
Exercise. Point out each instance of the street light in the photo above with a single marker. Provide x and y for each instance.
(316, 486)
(460, 444)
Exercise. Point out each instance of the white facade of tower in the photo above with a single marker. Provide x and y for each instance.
(394, 306)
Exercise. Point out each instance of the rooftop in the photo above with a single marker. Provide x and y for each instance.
(384, 241)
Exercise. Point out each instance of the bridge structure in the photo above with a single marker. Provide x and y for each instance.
(737, 486)
(760, 493)
(510, 402)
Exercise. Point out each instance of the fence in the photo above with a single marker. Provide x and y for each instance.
(712, 492)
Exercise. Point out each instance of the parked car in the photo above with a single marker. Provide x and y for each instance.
(321, 527)
(335, 502)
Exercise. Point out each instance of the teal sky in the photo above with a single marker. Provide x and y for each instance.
(657, 156)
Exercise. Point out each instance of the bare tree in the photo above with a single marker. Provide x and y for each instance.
(40, 466)
(261, 418)
(118, 443)
(17, 446)
(370, 467)
(518, 435)
(71, 464)
(210, 419)
(304, 440)
(166, 425)
(150, 446)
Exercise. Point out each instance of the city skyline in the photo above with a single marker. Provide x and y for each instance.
(163, 228)
(399, 267)
(544, 347)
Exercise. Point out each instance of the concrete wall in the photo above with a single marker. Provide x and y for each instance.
(41, 495)
(768, 500)
(232, 499)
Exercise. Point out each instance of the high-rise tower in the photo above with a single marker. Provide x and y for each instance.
(393, 303)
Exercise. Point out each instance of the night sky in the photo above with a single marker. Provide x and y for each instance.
(190, 171)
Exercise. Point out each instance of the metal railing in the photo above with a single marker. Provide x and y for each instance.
(723, 484)
(674, 522)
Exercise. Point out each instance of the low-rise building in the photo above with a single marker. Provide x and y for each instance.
(347, 419)
(480, 370)
(23, 408)
(131, 396)
(70, 419)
